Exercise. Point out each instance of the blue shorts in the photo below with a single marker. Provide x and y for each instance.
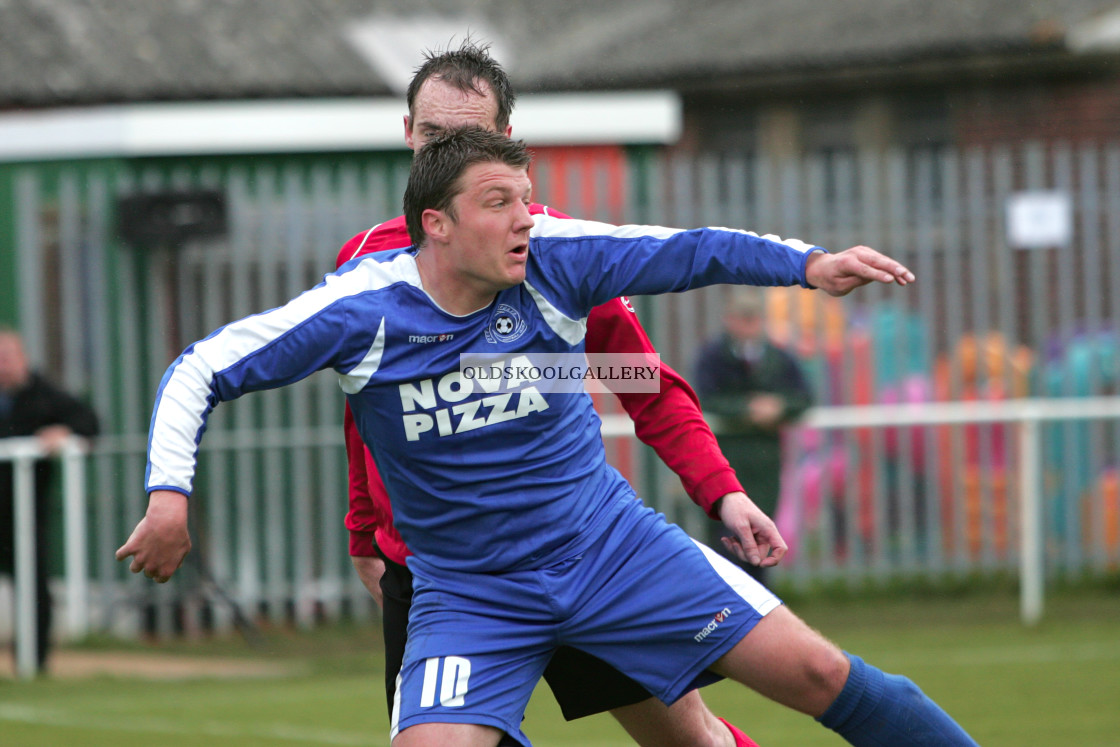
(644, 597)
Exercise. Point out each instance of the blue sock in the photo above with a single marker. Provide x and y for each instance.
(885, 710)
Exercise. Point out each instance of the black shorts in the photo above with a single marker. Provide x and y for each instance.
(581, 683)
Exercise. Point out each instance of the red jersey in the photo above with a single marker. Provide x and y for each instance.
(669, 422)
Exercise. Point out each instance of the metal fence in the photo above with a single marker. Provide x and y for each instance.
(994, 316)
(988, 320)
(108, 318)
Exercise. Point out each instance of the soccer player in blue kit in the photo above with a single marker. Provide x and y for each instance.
(523, 537)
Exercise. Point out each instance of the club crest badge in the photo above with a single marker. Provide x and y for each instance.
(506, 324)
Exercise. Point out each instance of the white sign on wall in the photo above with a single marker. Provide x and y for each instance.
(1039, 219)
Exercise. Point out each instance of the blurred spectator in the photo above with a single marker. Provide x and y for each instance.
(754, 387)
(32, 406)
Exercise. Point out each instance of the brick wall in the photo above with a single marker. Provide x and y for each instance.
(1075, 111)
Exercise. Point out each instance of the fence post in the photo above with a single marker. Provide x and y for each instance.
(77, 550)
(1032, 557)
(22, 452)
(27, 665)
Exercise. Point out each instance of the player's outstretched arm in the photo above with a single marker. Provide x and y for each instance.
(757, 540)
(160, 541)
(841, 273)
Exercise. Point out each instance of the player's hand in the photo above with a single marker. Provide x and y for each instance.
(757, 540)
(841, 273)
(370, 570)
(161, 540)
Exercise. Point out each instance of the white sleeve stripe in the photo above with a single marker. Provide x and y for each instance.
(357, 377)
(552, 227)
(795, 244)
(184, 402)
(569, 330)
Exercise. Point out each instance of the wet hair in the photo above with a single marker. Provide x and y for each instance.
(437, 169)
(464, 68)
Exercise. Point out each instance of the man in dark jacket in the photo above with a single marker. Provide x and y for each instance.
(754, 388)
(32, 406)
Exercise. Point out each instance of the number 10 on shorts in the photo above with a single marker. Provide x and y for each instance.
(452, 685)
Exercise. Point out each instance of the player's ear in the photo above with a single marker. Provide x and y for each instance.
(435, 223)
(408, 132)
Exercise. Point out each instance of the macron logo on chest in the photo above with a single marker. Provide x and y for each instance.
(425, 339)
(442, 406)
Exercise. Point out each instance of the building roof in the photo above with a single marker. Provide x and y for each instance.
(80, 52)
(691, 42)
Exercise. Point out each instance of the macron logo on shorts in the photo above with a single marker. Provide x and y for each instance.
(707, 629)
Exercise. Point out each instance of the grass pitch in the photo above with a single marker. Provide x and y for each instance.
(1055, 684)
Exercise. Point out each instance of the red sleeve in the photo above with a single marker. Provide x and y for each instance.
(538, 209)
(364, 518)
(392, 234)
(370, 516)
(670, 422)
(361, 518)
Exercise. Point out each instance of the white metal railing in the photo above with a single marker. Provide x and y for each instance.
(23, 453)
(1027, 414)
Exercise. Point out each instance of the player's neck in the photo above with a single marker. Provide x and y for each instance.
(451, 292)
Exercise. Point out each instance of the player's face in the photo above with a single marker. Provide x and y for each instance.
(488, 241)
(440, 106)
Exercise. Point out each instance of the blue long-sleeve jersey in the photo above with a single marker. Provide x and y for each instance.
(483, 475)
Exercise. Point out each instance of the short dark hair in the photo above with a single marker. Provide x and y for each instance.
(464, 68)
(435, 177)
